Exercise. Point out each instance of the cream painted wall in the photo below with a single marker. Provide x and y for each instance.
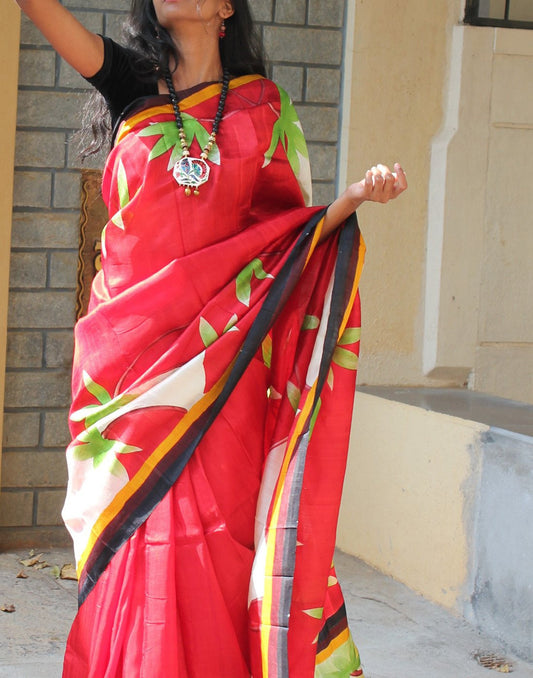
(479, 278)
(9, 50)
(448, 286)
(407, 503)
(399, 71)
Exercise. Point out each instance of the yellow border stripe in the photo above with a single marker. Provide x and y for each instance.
(135, 484)
(334, 645)
(266, 607)
(316, 237)
(190, 101)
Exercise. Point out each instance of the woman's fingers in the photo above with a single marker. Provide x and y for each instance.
(400, 177)
(386, 185)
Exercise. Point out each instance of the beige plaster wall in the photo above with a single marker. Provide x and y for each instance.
(504, 356)
(406, 506)
(9, 49)
(399, 71)
(448, 286)
(479, 279)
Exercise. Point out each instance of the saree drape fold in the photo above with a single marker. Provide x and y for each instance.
(212, 389)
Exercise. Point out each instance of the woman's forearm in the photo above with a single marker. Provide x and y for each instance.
(83, 50)
(379, 185)
(338, 212)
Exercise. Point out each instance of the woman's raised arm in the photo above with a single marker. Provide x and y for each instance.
(83, 50)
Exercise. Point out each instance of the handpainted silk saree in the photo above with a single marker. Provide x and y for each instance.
(213, 384)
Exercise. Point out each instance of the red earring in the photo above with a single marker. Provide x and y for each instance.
(222, 32)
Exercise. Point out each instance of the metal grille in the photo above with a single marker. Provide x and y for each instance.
(503, 13)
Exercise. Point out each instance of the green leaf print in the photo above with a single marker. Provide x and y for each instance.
(294, 394)
(231, 324)
(266, 348)
(344, 661)
(93, 445)
(207, 333)
(350, 336)
(345, 358)
(170, 141)
(311, 322)
(288, 131)
(123, 195)
(102, 451)
(315, 416)
(244, 280)
(95, 389)
(123, 188)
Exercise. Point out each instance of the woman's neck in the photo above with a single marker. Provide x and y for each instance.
(199, 61)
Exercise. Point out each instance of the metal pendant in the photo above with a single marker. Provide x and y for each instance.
(191, 173)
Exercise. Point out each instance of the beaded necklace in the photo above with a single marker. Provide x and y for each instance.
(193, 172)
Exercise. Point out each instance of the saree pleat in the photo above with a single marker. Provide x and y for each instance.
(212, 392)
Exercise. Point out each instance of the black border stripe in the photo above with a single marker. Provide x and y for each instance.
(138, 508)
(333, 627)
(345, 269)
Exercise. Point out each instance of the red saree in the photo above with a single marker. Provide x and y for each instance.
(212, 394)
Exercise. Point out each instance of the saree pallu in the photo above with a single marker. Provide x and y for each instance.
(212, 386)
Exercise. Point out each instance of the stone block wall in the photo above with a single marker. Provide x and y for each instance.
(303, 39)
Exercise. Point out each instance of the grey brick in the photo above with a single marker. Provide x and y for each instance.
(326, 12)
(323, 194)
(56, 432)
(290, 11)
(59, 349)
(92, 20)
(319, 123)
(114, 26)
(37, 67)
(67, 188)
(33, 469)
(41, 309)
(29, 34)
(323, 161)
(28, 269)
(63, 269)
(291, 78)
(21, 429)
(16, 509)
(70, 78)
(261, 10)
(108, 5)
(37, 389)
(32, 189)
(40, 149)
(304, 45)
(323, 85)
(24, 349)
(37, 229)
(50, 109)
(49, 506)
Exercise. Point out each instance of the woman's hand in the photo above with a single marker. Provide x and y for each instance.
(379, 185)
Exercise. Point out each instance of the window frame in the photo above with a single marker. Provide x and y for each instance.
(472, 18)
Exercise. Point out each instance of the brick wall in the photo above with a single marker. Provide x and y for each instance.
(303, 39)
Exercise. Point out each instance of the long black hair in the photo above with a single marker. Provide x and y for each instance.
(241, 53)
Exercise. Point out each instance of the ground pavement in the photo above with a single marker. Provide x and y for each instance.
(399, 634)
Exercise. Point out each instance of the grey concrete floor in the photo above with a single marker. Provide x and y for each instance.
(399, 634)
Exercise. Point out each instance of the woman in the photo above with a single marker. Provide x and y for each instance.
(214, 373)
